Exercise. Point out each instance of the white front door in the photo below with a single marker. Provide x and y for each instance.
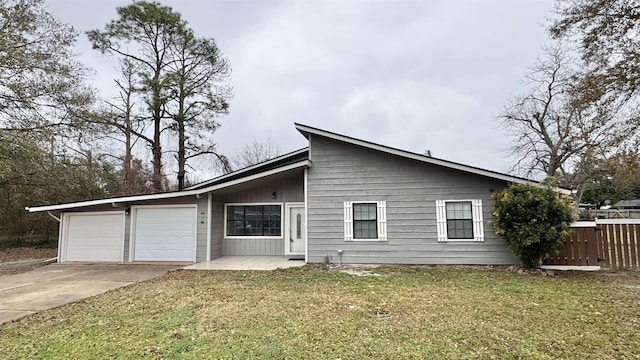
(295, 239)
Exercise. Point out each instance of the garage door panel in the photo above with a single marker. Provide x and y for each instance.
(94, 237)
(165, 234)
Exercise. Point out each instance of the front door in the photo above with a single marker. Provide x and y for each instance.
(295, 239)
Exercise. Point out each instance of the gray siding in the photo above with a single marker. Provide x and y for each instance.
(217, 226)
(254, 247)
(289, 187)
(344, 172)
(201, 228)
(127, 235)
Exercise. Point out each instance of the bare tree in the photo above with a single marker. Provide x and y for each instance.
(558, 127)
(607, 36)
(255, 152)
(42, 85)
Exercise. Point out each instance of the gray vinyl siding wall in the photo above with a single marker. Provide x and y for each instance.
(127, 235)
(201, 227)
(288, 187)
(217, 226)
(344, 172)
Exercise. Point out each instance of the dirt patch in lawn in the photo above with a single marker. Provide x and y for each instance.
(26, 253)
(16, 260)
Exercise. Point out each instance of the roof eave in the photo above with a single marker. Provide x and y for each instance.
(306, 130)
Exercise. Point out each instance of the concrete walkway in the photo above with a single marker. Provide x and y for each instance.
(58, 284)
(247, 263)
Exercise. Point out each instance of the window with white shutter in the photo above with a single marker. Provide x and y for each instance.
(365, 221)
(459, 220)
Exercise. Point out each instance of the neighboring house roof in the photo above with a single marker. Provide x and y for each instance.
(628, 203)
(308, 130)
(290, 161)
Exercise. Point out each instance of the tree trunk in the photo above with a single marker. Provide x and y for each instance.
(181, 154)
(157, 155)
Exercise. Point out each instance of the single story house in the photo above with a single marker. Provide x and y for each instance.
(339, 197)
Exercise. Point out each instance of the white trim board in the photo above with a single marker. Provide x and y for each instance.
(583, 224)
(304, 129)
(570, 268)
(617, 221)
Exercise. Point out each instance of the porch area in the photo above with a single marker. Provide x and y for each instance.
(264, 263)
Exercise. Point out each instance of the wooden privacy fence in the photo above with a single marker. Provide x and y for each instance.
(608, 243)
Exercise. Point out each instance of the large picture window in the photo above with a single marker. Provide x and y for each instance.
(254, 220)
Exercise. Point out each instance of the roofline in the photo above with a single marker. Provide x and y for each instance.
(305, 130)
(304, 163)
(248, 168)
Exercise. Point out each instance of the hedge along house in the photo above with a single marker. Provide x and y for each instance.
(341, 198)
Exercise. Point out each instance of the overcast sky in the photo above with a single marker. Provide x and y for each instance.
(415, 75)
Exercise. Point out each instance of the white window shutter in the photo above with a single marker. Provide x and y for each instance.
(478, 229)
(382, 220)
(441, 220)
(348, 221)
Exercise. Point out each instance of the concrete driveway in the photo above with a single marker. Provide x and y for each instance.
(58, 284)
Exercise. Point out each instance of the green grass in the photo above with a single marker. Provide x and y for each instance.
(310, 313)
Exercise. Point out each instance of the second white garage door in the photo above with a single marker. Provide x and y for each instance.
(165, 234)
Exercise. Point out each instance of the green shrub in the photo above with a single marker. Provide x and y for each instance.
(532, 220)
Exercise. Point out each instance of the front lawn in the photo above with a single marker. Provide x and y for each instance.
(311, 313)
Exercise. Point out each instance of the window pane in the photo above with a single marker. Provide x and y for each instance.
(460, 229)
(235, 227)
(365, 229)
(458, 210)
(365, 211)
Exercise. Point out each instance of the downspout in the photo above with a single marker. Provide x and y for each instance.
(53, 216)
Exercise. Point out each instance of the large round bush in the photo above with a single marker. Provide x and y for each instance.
(532, 219)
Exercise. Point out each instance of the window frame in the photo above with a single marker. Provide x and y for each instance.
(477, 221)
(381, 221)
(282, 222)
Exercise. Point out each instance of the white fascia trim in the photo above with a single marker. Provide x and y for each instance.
(426, 159)
(299, 164)
(583, 224)
(252, 167)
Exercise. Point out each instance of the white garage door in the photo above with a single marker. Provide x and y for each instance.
(165, 234)
(94, 236)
